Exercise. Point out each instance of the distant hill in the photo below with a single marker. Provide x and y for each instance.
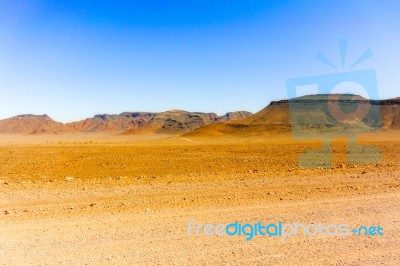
(31, 124)
(312, 114)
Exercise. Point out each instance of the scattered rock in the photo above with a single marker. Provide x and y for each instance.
(69, 178)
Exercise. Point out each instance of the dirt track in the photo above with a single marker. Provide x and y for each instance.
(130, 202)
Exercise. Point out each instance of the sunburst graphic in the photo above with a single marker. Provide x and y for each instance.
(343, 43)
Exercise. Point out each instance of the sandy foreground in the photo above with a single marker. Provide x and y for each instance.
(128, 201)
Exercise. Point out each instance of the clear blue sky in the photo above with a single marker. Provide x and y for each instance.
(72, 59)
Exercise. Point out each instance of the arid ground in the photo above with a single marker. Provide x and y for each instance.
(127, 200)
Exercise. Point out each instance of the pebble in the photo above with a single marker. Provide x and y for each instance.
(68, 178)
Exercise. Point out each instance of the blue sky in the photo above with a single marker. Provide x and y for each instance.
(73, 59)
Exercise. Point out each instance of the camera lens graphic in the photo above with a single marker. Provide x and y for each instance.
(337, 104)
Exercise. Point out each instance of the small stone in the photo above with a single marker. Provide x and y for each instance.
(68, 178)
(6, 212)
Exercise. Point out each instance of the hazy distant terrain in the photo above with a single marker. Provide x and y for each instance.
(273, 119)
(174, 121)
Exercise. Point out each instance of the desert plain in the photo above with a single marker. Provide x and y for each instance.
(127, 200)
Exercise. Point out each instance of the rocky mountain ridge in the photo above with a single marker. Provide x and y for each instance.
(173, 121)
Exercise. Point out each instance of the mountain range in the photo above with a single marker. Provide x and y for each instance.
(330, 113)
(169, 122)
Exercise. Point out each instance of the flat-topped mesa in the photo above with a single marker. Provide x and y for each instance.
(137, 114)
(320, 98)
(343, 98)
(44, 116)
(312, 112)
(394, 101)
(236, 115)
(333, 96)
